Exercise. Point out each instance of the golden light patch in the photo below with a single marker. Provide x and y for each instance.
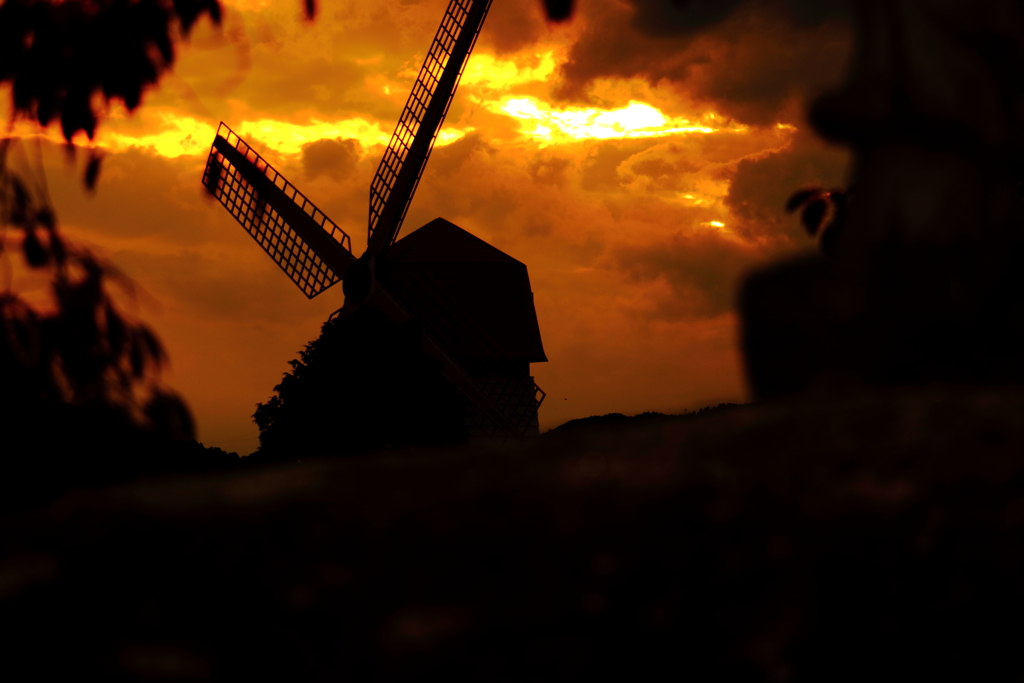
(248, 5)
(549, 125)
(701, 199)
(493, 73)
(288, 138)
(180, 135)
(177, 136)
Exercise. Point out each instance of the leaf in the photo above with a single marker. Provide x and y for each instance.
(153, 346)
(559, 10)
(46, 219)
(19, 211)
(116, 330)
(60, 254)
(92, 172)
(800, 198)
(35, 254)
(813, 216)
(137, 358)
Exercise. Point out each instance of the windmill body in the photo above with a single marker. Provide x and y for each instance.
(473, 301)
(476, 301)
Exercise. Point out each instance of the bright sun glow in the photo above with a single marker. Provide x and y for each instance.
(492, 73)
(177, 136)
(636, 120)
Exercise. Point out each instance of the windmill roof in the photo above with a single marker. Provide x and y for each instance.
(443, 241)
(474, 297)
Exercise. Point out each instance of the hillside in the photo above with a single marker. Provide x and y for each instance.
(874, 536)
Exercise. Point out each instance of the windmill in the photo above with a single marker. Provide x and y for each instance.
(473, 301)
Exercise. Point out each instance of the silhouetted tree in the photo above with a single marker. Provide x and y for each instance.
(365, 384)
(80, 398)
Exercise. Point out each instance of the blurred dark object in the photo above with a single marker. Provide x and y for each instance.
(865, 537)
(60, 56)
(923, 282)
(559, 10)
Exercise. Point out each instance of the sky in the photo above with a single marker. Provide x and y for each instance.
(636, 158)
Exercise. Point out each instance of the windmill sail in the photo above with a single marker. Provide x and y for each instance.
(306, 244)
(402, 166)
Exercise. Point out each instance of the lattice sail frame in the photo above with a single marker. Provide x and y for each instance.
(423, 92)
(266, 225)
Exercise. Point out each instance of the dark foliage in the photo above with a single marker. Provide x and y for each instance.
(80, 397)
(873, 538)
(620, 421)
(85, 351)
(51, 447)
(60, 55)
(364, 385)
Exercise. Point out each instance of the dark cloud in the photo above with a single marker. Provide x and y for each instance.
(761, 186)
(701, 266)
(445, 161)
(662, 173)
(549, 170)
(689, 17)
(291, 69)
(512, 25)
(749, 59)
(330, 86)
(133, 184)
(600, 169)
(680, 17)
(334, 158)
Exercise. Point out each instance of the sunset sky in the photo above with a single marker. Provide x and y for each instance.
(635, 158)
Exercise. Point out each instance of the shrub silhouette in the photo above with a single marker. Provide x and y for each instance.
(365, 384)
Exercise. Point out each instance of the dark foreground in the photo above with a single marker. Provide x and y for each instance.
(878, 537)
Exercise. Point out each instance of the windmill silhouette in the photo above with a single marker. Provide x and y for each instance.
(473, 301)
